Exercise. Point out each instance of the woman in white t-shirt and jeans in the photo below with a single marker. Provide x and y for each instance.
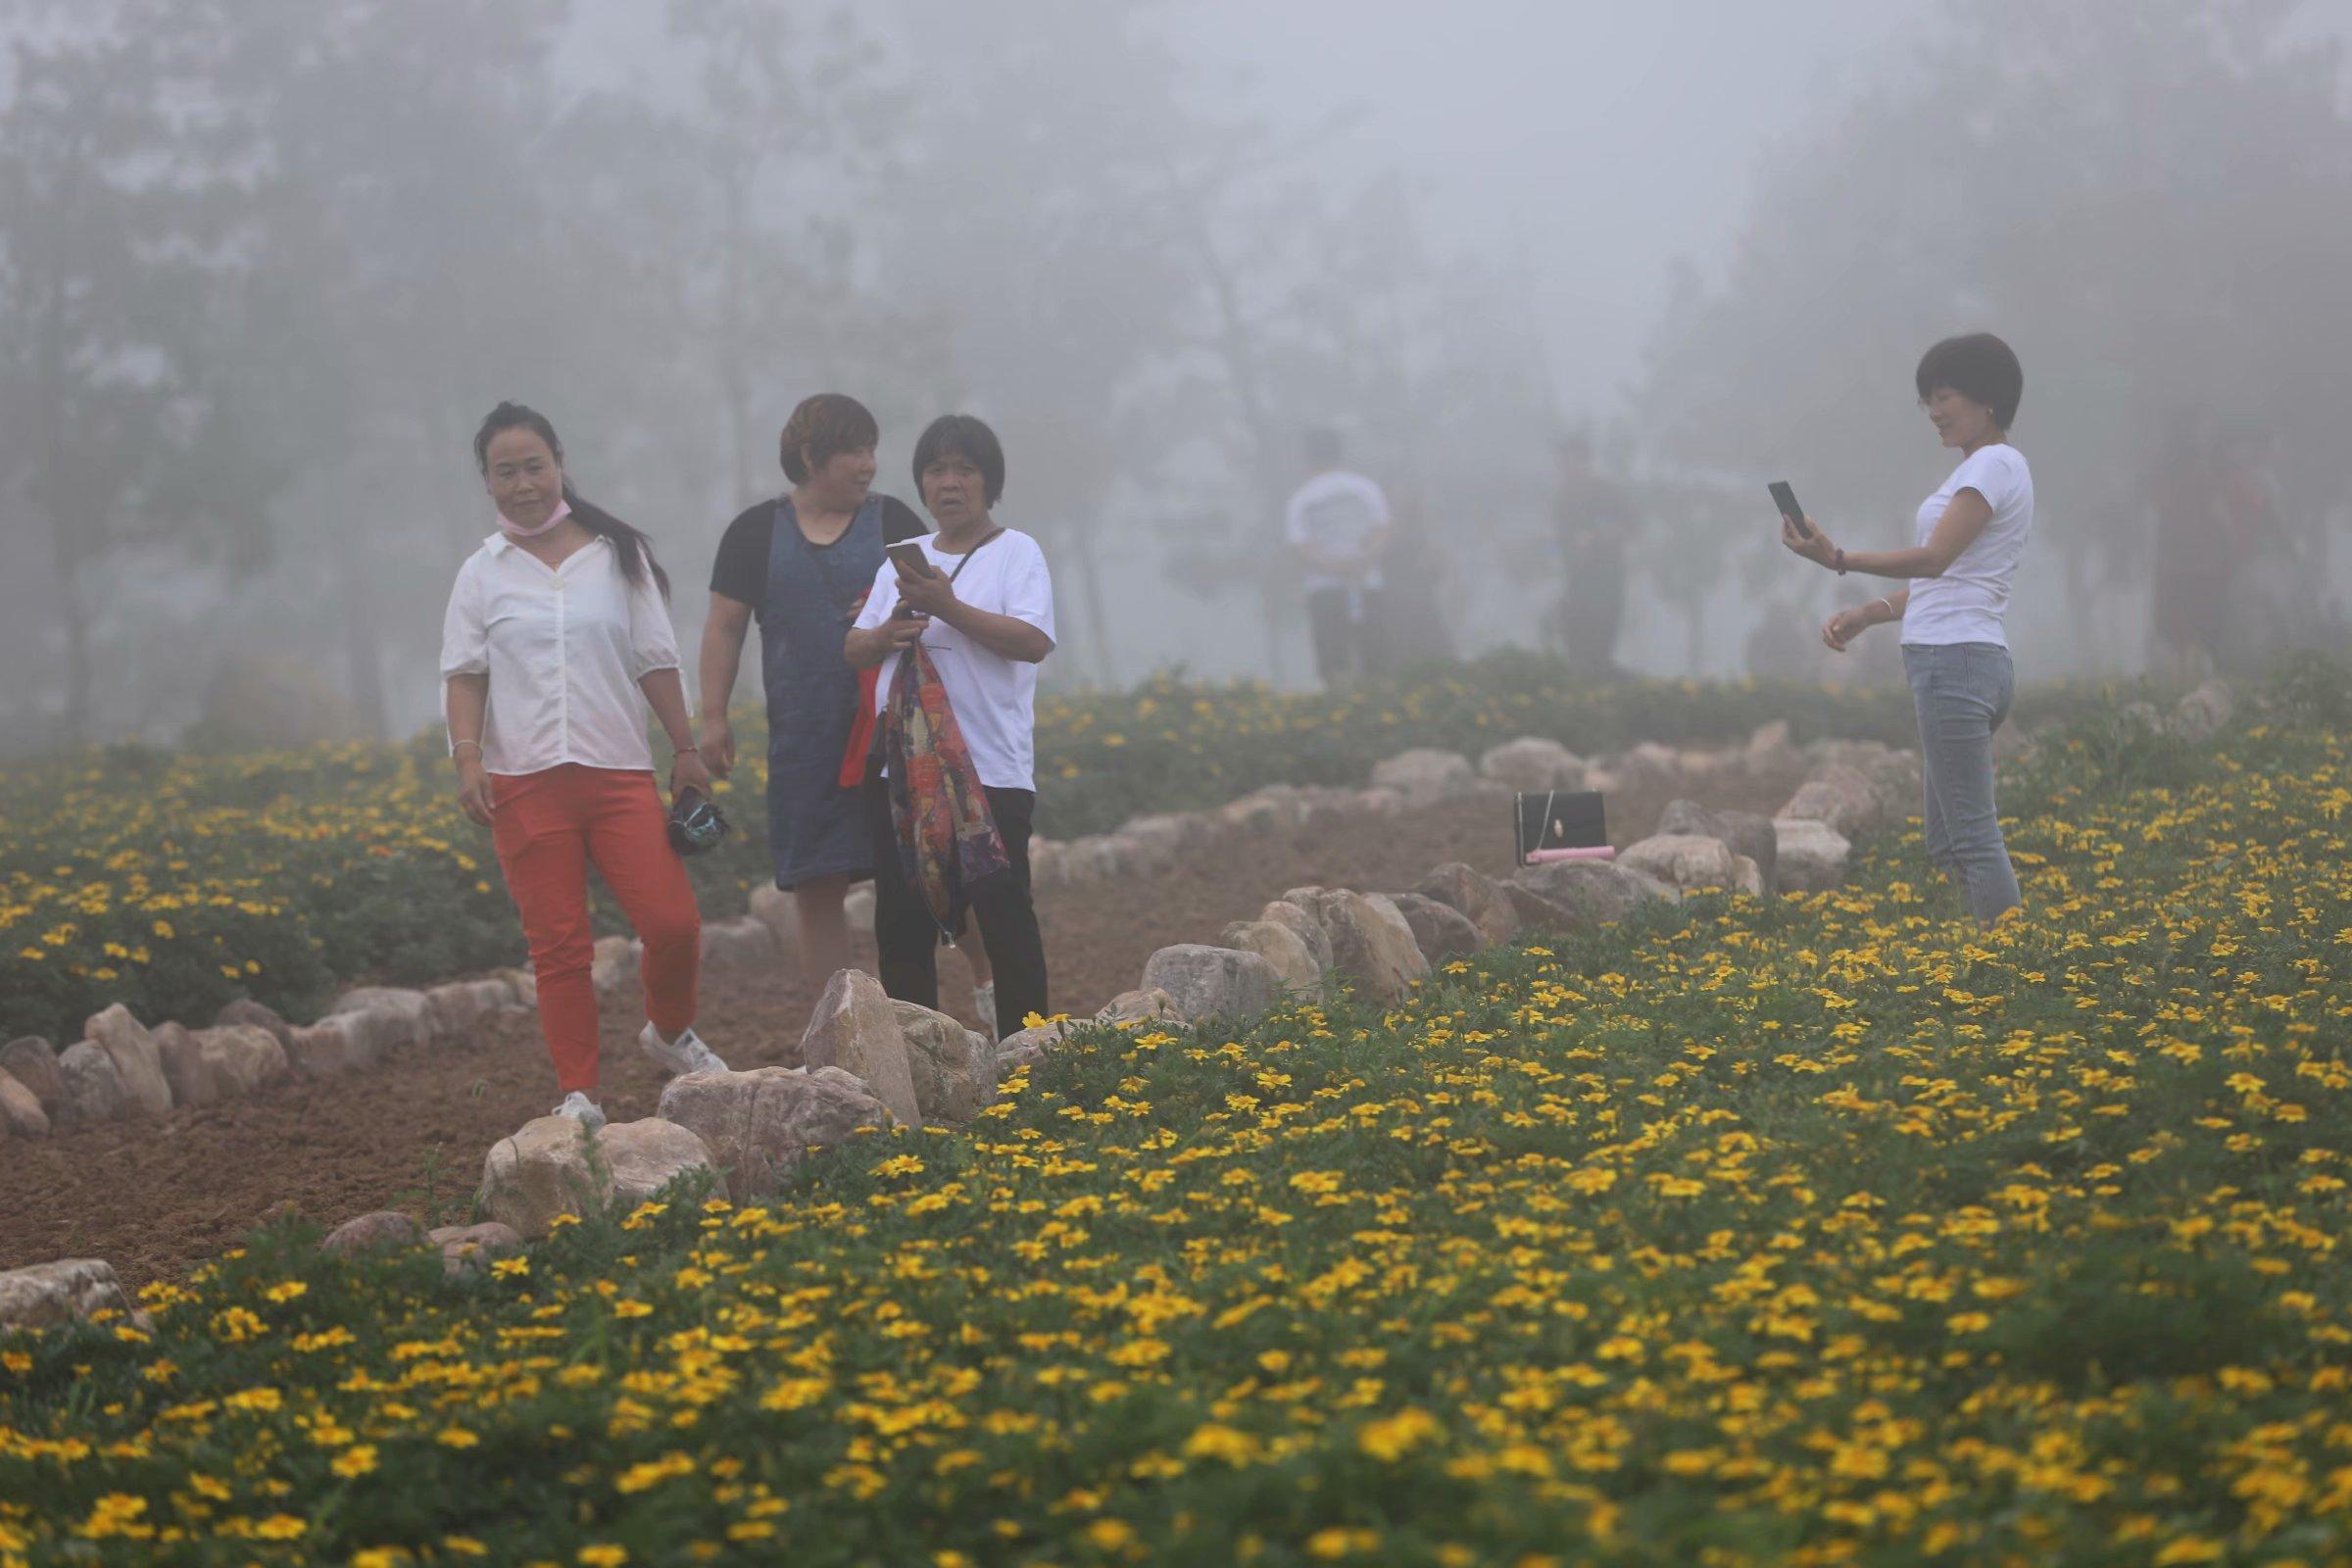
(1970, 536)
(984, 614)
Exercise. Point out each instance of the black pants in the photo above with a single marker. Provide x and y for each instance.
(908, 936)
(1347, 646)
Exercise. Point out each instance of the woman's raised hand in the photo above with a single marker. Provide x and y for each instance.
(1843, 627)
(1814, 547)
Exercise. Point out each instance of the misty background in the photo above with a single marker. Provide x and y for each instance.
(265, 263)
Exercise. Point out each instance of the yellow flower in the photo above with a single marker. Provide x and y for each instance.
(604, 1556)
(356, 1461)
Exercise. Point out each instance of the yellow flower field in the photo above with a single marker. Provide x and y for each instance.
(1828, 1230)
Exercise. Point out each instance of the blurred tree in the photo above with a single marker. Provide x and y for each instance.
(2151, 201)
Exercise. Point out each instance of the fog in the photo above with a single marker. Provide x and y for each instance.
(265, 263)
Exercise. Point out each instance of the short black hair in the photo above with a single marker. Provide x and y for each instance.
(960, 435)
(1976, 366)
(820, 429)
(1323, 448)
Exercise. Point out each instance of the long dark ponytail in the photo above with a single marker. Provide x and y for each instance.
(631, 546)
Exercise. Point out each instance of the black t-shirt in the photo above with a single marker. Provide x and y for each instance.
(740, 570)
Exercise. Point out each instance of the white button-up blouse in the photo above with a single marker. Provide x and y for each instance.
(564, 648)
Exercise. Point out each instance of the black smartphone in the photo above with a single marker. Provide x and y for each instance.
(1785, 498)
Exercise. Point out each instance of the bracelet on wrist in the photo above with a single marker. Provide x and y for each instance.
(476, 744)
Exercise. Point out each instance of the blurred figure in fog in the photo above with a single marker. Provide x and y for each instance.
(1414, 630)
(2190, 567)
(1338, 525)
(1594, 517)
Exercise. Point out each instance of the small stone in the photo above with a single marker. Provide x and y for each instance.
(1424, 775)
(1747, 877)
(244, 1058)
(20, 1112)
(47, 1295)
(541, 1171)
(2204, 712)
(472, 1249)
(94, 1090)
(954, 1068)
(1812, 855)
(458, 1009)
(758, 1125)
(1028, 1048)
(1205, 982)
(244, 1013)
(185, 1067)
(1309, 931)
(1280, 946)
(1441, 932)
(1747, 833)
(776, 909)
(1682, 861)
(387, 1230)
(612, 963)
(1139, 1006)
(32, 1061)
(1837, 795)
(642, 1157)
(1480, 899)
(1531, 764)
(853, 1029)
(338, 1043)
(401, 1016)
(137, 1061)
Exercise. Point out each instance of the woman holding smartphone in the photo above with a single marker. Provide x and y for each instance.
(556, 642)
(1969, 536)
(976, 601)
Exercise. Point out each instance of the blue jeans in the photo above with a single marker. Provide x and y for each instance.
(1963, 691)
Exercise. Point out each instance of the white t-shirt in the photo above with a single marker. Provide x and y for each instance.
(564, 648)
(1338, 513)
(1966, 604)
(994, 697)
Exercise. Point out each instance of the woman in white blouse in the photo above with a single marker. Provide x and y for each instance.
(557, 639)
(1969, 536)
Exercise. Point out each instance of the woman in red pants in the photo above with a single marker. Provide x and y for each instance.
(557, 639)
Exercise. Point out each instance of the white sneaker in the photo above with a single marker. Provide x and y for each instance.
(984, 1000)
(580, 1108)
(684, 1054)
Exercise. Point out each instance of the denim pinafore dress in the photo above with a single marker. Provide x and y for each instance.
(814, 828)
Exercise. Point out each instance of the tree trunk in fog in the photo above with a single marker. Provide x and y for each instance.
(1105, 669)
(77, 643)
(363, 651)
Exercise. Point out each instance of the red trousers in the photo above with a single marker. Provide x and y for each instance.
(548, 828)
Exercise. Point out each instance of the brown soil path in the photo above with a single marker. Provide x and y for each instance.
(155, 1198)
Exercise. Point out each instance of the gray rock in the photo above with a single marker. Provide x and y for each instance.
(94, 1090)
(386, 1230)
(1478, 898)
(2204, 712)
(759, 1124)
(1424, 775)
(774, 909)
(20, 1112)
(1274, 809)
(137, 1061)
(1647, 772)
(458, 1009)
(1294, 962)
(1208, 982)
(1441, 932)
(340, 1042)
(853, 1029)
(1532, 762)
(32, 1061)
(1747, 833)
(1371, 944)
(954, 1068)
(246, 1013)
(1812, 855)
(1747, 877)
(1309, 931)
(48, 1294)
(1028, 1048)
(243, 1058)
(1139, 1006)
(1682, 861)
(744, 946)
(542, 1170)
(1538, 913)
(185, 1067)
(858, 909)
(399, 1015)
(1592, 892)
(612, 965)
(468, 1249)
(644, 1156)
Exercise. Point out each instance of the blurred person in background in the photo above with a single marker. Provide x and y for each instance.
(952, 792)
(1337, 524)
(1414, 630)
(556, 642)
(1596, 517)
(1970, 534)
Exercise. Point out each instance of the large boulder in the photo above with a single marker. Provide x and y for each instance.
(1294, 918)
(759, 1124)
(1441, 932)
(1592, 892)
(242, 1060)
(954, 1068)
(137, 1061)
(468, 1249)
(1682, 861)
(47, 1295)
(1812, 855)
(386, 1230)
(1478, 898)
(1747, 833)
(1531, 764)
(1130, 1008)
(1371, 943)
(32, 1062)
(20, 1112)
(854, 1029)
(744, 946)
(1208, 982)
(549, 1168)
(94, 1091)
(186, 1066)
(1424, 775)
(1293, 961)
